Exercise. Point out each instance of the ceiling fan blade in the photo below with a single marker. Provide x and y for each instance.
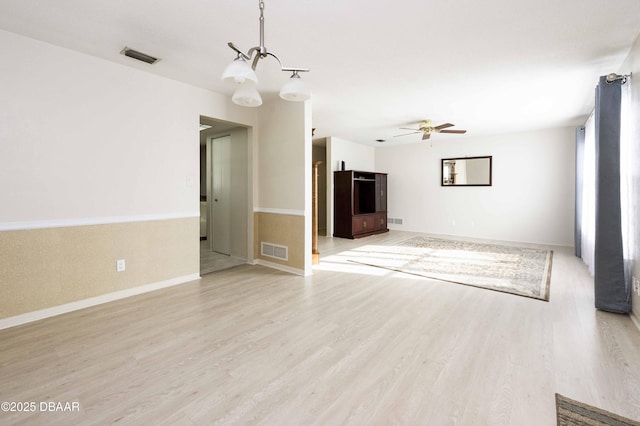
(453, 131)
(444, 126)
(426, 136)
(406, 134)
(407, 128)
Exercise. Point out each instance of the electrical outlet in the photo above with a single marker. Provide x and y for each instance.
(120, 265)
(636, 285)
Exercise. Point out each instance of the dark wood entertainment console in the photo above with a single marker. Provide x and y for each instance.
(359, 203)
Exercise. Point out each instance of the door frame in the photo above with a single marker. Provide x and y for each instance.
(244, 184)
(211, 204)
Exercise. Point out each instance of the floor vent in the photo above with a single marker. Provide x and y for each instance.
(274, 250)
(395, 221)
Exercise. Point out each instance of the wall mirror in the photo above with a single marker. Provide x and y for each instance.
(467, 171)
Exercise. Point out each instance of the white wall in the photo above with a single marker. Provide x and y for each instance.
(355, 156)
(632, 65)
(82, 137)
(85, 141)
(531, 200)
(283, 149)
(284, 167)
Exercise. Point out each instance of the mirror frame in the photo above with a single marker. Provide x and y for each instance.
(490, 183)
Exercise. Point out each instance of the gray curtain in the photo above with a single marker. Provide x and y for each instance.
(611, 291)
(577, 234)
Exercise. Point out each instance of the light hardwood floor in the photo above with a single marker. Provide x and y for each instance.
(211, 261)
(348, 345)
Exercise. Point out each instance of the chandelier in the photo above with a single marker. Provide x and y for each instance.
(244, 77)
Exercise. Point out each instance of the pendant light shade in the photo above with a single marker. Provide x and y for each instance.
(295, 89)
(239, 71)
(247, 95)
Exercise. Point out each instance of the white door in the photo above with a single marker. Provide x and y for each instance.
(221, 195)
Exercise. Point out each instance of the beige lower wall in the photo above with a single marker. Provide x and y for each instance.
(282, 229)
(43, 268)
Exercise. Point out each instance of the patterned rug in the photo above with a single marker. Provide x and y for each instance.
(515, 270)
(574, 413)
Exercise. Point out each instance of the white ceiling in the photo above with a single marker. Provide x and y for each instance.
(489, 66)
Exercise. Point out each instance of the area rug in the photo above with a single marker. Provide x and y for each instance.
(574, 413)
(516, 270)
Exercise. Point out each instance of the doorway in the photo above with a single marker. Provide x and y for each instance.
(224, 195)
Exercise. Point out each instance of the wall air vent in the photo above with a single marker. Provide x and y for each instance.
(275, 251)
(139, 55)
(396, 221)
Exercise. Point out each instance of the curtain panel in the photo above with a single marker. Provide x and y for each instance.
(612, 291)
(588, 195)
(577, 234)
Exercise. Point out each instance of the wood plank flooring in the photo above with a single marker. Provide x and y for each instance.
(348, 345)
(210, 261)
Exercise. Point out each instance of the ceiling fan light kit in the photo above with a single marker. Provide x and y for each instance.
(243, 75)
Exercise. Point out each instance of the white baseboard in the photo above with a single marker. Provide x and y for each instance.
(635, 321)
(279, 267)
(92, 301)
(280, 211)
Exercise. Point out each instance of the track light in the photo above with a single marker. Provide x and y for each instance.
(243, 75)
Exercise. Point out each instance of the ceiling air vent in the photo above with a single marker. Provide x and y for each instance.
(139, 55)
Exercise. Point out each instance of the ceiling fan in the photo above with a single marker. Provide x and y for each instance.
(426, 128)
